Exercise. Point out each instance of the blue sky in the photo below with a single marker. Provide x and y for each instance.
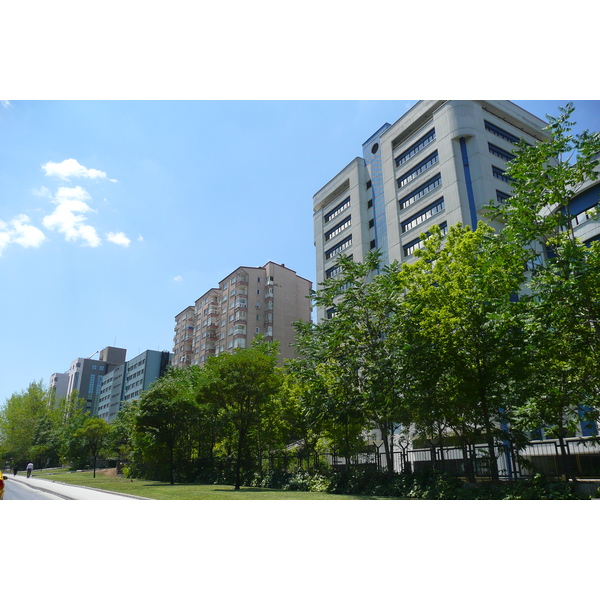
(113, 213)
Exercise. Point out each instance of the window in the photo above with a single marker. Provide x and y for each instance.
(427, 187)
(501, 196)
(372, 244)
(416, 147)
(369, 184)
(338, 228)
(422, 216)
(425, 164)
(500, 133)
(332, 272)
(370, 203)
(583, 216)
(337, 249)
(499, 174)
(371, 223)
(337, 210)
(409, 249)
(503, 154)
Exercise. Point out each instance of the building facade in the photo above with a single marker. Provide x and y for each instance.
(439, 164)
(250, 301)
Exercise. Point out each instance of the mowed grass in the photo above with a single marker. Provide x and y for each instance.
(158, 490)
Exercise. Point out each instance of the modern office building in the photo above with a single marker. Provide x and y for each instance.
(441, 163)
(110, 381)
(249, 301)
(126, 381)
(86, 374)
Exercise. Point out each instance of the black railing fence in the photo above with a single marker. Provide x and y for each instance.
(581, 460)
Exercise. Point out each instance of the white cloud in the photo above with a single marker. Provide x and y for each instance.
(44, 192)
(68, 216)
(5, 103)
(140, 238)
(178, 278)
(71, 168)
(118, 238)
(20, 232)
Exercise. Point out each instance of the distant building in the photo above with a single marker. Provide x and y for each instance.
(250, 301)
(59, 383)
(107, 383)
(125, 382)
(86, 375)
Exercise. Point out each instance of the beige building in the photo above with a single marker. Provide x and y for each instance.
(248, 302)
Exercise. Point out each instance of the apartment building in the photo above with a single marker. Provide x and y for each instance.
(250, 301)
(441, 163)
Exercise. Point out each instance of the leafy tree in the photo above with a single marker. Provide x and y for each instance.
(563, 272)
(20, 417)
(121, 435)
(241, 385)
(94, 437)
(461, 294)
(354, 361)
(164, 413)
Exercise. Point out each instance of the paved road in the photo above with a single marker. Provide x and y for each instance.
(14, 491)
(35, 488)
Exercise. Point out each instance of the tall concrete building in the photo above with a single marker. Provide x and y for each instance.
(248, 302)
(441, 163)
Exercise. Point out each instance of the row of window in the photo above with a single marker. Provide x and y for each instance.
(427, 187)
(422, 216)
(501, 133)
(425, 164)
(337, 210)
(500, 153)
(409, 249)
(500, 174)
(416, 147)
(338, 228)
(339, 248)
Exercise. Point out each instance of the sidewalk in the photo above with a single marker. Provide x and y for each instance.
(70, 492)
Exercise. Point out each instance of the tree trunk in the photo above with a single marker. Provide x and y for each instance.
(238, 461)
(172, 461)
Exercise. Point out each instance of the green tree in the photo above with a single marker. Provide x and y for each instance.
(241, 385)
(94, 437)
(121, 435)
(20, 418)
(461, 295)
(355, 361)
(563, 272)
(165, 411)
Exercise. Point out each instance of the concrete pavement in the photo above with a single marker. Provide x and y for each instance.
(68, 491)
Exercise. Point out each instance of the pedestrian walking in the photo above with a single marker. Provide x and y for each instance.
(29, 469)
(15, 469)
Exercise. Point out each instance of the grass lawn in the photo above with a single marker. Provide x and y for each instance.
(158, 490)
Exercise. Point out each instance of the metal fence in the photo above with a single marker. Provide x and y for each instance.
(546, 457)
